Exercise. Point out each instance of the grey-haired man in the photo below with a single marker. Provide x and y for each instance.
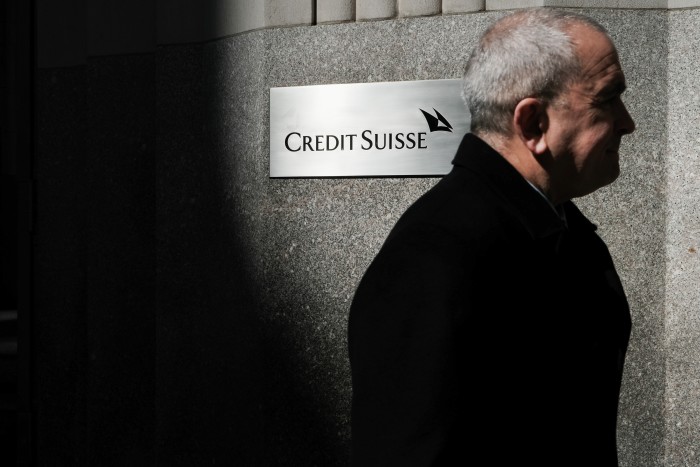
(491, 328)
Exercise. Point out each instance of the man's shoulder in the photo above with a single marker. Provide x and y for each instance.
(461, 206)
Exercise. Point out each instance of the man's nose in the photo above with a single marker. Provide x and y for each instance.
(625, 123)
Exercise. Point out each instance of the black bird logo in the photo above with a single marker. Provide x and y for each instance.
(434, 122)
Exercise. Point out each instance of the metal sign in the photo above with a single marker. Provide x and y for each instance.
(366, 129)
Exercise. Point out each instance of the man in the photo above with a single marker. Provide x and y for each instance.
(491, 328)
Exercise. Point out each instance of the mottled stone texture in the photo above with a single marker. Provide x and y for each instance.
(192, 311)
(682, 416)
(214, 357)
(631, 215)
(515, 4)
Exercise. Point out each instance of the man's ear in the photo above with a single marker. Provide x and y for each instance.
(530, 123)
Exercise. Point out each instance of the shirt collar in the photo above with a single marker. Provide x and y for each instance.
(559, 209)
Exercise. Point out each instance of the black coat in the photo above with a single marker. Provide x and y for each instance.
(487, 331)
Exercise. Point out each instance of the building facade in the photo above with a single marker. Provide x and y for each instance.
(190, 310)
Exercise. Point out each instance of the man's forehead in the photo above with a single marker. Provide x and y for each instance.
(597, 55)
(600, 82)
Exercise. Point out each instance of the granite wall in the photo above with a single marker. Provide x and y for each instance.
(190, 310)
(682, 242)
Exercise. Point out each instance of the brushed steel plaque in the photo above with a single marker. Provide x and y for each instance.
(366, 129)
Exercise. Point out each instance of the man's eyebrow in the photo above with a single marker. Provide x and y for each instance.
(614, 89)
(611, 91)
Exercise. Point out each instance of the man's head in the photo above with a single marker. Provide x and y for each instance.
(547, 84)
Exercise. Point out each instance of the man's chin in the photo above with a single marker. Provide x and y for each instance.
(612, 176)
(598, 184)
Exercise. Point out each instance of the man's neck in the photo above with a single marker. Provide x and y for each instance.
(524, 162)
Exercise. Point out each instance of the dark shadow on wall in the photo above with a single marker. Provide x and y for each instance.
(232, 385)
(94, 264)
(157, 340)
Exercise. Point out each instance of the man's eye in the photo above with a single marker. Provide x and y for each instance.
(609, 100)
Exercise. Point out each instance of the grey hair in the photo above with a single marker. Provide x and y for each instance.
(526, 54)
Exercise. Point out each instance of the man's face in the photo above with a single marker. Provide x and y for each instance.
(587, 121)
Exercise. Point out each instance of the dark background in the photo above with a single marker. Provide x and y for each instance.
(131, 326)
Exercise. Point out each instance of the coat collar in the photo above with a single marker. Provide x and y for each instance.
(528, 206)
